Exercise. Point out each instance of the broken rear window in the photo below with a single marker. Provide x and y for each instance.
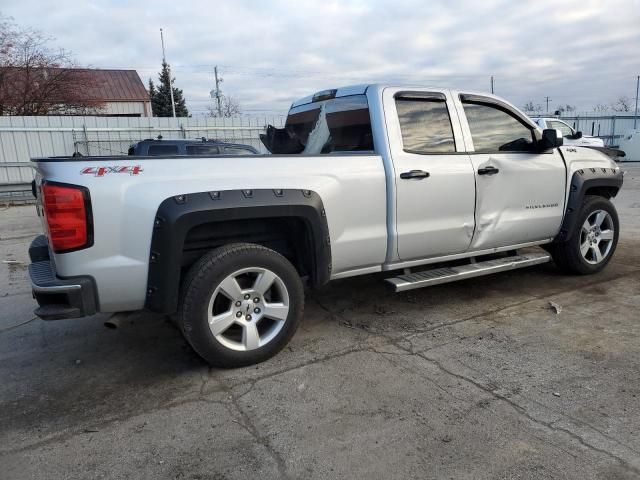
(336, 125)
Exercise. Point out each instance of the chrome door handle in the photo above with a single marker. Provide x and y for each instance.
(488, 170)
(414, 175)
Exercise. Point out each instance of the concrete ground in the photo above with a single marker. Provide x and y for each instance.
(477, 379)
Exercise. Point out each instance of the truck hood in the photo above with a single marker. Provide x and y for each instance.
(587, 157)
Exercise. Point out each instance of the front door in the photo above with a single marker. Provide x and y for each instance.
(435, 185)
(520, 193)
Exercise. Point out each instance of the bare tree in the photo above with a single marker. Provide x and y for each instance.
(532, 109)
(565, 108)
(623, 104)
(601, 108)
(37, 80)
(229, 108)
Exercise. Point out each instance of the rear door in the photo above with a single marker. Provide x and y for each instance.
(520, 193)
(435, 185)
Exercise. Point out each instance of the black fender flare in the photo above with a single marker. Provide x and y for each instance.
(581, 181)
(178, 214)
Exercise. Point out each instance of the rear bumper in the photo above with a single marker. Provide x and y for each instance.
(58, 298)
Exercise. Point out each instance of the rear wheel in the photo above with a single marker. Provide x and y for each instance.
(592, 244)
(240, 304)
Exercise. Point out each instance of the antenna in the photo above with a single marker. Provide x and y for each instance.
(173, 103)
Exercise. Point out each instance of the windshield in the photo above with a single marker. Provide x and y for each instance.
(563, 127)
(335, 125)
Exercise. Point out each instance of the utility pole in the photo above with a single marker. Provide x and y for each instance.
(164, 60)
(217, 93)
(491, 83)
(548, 100)
(635, 117)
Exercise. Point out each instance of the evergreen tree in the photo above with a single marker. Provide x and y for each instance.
(161, 96)
(153, 95)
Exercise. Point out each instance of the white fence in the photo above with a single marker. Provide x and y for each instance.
(23, 138)
(611, 128)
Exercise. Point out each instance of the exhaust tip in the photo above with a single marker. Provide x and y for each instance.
(115, 320)
(112, 323)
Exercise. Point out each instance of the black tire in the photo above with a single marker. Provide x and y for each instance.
(567, 255)
(207, 274)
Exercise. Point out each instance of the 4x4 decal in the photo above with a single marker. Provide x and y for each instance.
(102, 171)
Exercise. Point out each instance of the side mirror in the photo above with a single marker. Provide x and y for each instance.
(577, 136)
(551, 138)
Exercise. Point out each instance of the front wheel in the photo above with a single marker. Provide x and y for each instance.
(240, 304)
(592, 244)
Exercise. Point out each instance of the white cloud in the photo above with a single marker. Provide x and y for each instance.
(576, 51)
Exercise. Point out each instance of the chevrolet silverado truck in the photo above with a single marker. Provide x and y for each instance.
(434, 184)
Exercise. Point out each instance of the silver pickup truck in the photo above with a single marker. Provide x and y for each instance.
(437, 184)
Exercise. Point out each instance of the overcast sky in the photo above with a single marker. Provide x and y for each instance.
(580, 52)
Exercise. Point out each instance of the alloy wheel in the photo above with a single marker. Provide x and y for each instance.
(596, 237)
(248, 309)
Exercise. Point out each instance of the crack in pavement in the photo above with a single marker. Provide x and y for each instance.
(105, 424)
(329, 356)
(577, 421)
(247, 424)
(388, 357)
(515, 406)
(522, 411)
(205, 379)
(340, 316)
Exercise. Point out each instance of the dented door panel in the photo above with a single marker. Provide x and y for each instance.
(522, 202)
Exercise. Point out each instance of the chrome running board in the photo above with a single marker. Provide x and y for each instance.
(437, 276)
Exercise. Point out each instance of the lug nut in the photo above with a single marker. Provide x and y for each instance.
(239, 314)
(248, 318)
(256, 300)
(238, 303)
(256, 310)
(247, 296)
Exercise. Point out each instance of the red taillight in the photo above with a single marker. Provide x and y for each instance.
(67, 212)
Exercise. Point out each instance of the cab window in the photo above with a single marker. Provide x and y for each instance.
(425, 125)
(496, 130)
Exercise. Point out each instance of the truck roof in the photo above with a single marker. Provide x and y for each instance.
(361, 89)
(339, 92)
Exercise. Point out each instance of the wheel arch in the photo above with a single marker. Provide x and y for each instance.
(604, 182)
(196, 222)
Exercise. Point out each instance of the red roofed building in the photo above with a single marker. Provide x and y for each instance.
(73, 91)
(121, 91)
